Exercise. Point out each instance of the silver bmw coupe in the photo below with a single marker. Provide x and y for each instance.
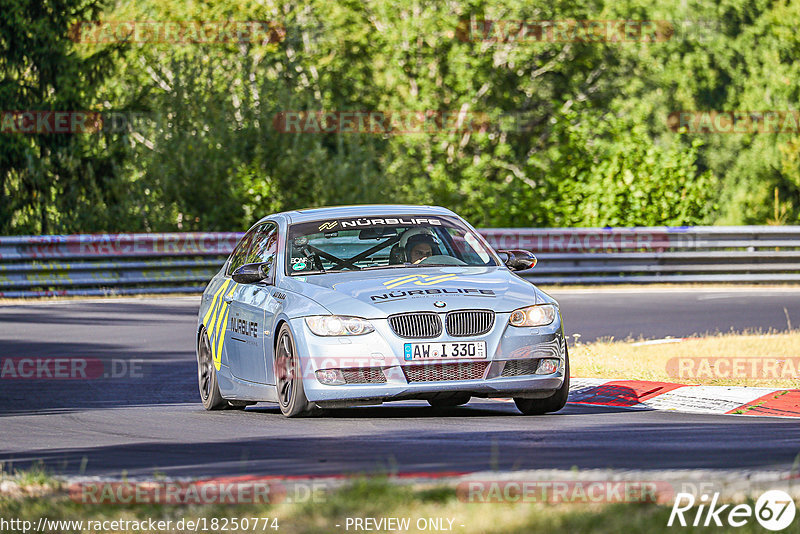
(360, 305)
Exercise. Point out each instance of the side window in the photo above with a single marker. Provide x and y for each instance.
(265, 246)
(240, 252)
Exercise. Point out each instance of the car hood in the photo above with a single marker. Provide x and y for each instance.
(379, 293)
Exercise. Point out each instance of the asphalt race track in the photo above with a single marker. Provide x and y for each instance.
(150, 420)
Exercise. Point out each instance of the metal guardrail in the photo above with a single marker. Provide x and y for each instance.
(121, 264)
(111, 264)
(693, 254)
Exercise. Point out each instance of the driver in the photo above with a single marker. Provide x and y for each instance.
(419, 247)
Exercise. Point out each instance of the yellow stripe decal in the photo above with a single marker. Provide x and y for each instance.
(217, 327)
(213, 314)
(399, 281)
(212, 328)
(223, 322)
(214, 303)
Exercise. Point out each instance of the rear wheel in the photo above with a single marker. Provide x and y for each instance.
(549, 404)
(207, 376)
(449, 401)
(291, 395)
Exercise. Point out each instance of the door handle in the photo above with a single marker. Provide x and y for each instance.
(227, 300)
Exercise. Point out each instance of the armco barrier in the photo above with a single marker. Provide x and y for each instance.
(183, 262)
(108, 264)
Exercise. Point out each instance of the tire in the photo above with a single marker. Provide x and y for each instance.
(207, 376)
(549, 404)
(449, 401)
(291, 395)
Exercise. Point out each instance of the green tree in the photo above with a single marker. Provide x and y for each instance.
(52, 183)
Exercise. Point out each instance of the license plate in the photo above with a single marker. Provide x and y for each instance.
(436, 351)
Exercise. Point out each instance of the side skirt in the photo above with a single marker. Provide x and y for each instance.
(233, 388)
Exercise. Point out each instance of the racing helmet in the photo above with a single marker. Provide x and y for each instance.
(411, 232)
(398, 253)
(414, 237)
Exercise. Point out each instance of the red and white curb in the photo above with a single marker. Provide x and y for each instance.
(646, 395)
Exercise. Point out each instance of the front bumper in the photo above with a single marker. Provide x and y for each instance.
(507, 371)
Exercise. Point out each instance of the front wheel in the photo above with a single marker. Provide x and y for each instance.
(207, 376)
(552, 403)
(291, 395)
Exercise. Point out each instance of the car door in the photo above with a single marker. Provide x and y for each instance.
(217, 299)
(249, 315)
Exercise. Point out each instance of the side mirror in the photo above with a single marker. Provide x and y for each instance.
(518, 260)
(250, 273)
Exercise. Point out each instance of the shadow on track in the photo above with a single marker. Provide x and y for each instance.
(562, 442)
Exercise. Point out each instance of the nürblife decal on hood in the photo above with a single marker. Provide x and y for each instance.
(419, 280)
(412, 293)
(426, 280)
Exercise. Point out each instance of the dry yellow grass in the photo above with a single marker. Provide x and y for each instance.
(723, 360)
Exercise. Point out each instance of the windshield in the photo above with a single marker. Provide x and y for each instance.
(402, 241)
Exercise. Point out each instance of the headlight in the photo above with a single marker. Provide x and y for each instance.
(336, 325)
(541, 315)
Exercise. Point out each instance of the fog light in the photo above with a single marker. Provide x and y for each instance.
(547, 367)
(330, 377)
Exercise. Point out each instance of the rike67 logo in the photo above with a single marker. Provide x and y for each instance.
(774, 510)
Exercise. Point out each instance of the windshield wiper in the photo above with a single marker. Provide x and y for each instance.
(372, 268)
(317, 271)
(391, 266)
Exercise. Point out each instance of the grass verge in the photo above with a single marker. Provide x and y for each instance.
(370, 498)
(732, 359)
